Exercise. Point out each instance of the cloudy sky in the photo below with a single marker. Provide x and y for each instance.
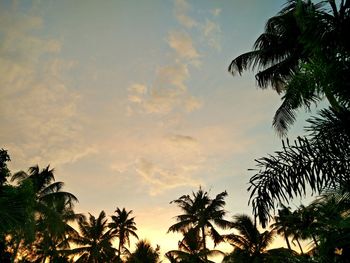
(131, 101)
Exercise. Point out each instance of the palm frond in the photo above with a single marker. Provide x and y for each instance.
(318, 162)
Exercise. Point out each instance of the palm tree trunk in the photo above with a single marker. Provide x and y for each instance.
(204, 244)
(287, 241)
(315, 240)
(301, 249)
(119, 250)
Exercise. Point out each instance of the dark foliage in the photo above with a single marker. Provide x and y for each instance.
(319, 161)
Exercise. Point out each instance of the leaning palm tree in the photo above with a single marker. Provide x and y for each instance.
(144, 253)
(95, 240)
(201, 213)
(123, 226)
(249, 245)
(191, 249)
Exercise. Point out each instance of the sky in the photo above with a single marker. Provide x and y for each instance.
(131, 102)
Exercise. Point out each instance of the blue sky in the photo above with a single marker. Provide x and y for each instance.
(131, 101)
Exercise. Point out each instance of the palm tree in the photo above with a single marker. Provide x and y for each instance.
(16, 210)
(303, 54)
(46, 189)
(281, 225)
(294, 224)
(201, 213)
(331, 212)
(191, 249)
(16, 202)
(52, 209)
(17, 219)
(249, 244)
(308, 223)
(297, 228)
(94, 242)
(54, 232)
(123, 226)
(144, 253)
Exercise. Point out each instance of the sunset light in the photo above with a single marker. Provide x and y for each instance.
(134, 104)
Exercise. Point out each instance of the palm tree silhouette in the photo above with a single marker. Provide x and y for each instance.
(123, 226)
(304, 54)
(94, 241)
(315, 162)
(52, 208)
(54, 232)
(191, 249)
(144, 253)
(47, 191)
(249, 244)
(332, 223)
(201, 213)
(282, 224)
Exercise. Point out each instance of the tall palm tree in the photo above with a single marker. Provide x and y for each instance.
(54, 232)
(297, 231)
(296, 224)
(52, 209)
(281, 225)
(191, 249)
(306, 223)
(95, 240)
(249, 244)
(144, 253)
(123, 226)
(303, 54)
(201, 213)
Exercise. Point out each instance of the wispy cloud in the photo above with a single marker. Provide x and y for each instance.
(176, 159)
(212, 34)
(168, 92)
(156, 160)
(210, 30)
(181, 13)
(182, 43)
(161, 179)
(39, 116)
